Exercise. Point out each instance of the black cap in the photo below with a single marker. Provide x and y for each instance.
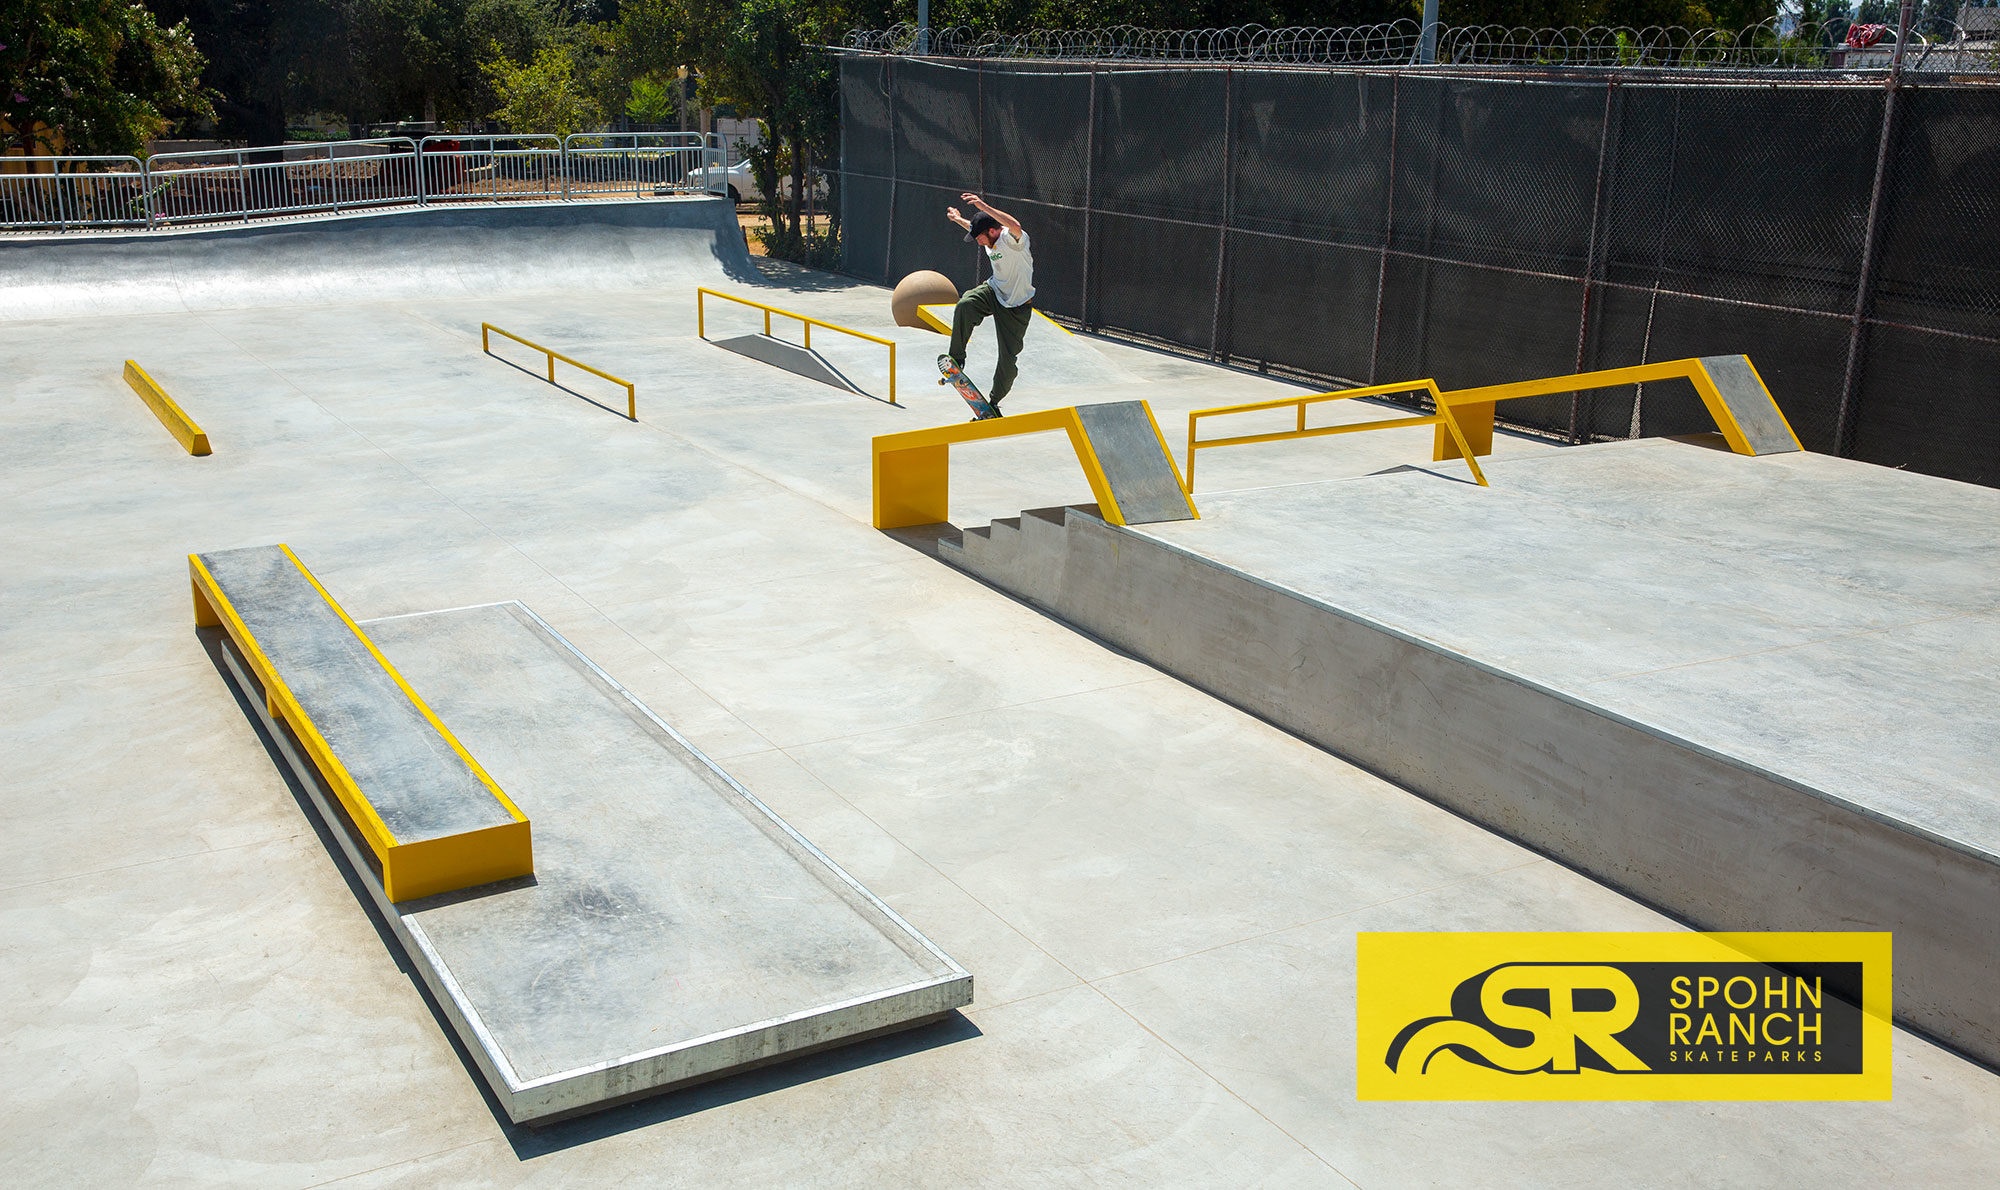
(981, 222)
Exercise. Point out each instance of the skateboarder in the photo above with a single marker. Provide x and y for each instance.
(1007, 296)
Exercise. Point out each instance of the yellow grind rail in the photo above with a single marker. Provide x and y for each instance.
(487, 330)
(913, 469)
(179, 424)
(1473, 407)
(1444, 419)
(701, 296)
(420, 868)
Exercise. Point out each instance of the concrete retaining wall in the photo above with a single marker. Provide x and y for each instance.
(1717, 843)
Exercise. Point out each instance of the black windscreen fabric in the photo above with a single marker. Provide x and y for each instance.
(937, 125)
(1930, 403)
(1154, 278)
(1497, 173)
(1037, 135)
(1482, 228)
(1939, 260)
(1160, 147)
(1302, 305)
(864, 227)
(1312, 160)
(864, 115)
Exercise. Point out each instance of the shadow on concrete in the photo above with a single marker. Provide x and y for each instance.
(924, 538)
(584, 397)
(529, 1142)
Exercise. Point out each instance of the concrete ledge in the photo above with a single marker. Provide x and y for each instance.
(1722, 844)
(432, 818)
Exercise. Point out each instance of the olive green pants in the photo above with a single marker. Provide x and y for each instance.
(1011, 323)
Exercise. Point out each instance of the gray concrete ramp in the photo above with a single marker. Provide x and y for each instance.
(1749, 402)
(1136, 464)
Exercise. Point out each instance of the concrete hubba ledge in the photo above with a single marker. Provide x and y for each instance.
(1713, 840)
(674, 930)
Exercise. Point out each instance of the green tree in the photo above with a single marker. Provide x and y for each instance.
(652, 101)
(545, 95)
(89, 76)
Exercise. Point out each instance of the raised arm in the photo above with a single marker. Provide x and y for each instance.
(952, 214)
(1007, 221)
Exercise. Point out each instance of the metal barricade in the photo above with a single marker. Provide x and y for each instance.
(60, 193)
(615, 164)
(84, 192)
(493, 168)
(212, 185)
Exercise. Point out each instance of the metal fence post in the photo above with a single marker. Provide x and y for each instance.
(1864, 282)
(1576, 432)
(1222, 232)
(1388, 225)
(1089, 166)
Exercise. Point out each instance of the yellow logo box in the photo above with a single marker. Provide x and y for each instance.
(1623, 1016)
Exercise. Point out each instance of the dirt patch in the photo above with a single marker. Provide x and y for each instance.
(750, 221)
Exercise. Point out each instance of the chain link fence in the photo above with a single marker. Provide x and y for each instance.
(1365, 225)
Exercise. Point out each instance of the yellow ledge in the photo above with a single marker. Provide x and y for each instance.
(409, 869)
(179, 424)
(938, 318)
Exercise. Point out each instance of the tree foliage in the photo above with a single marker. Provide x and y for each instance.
(90, 76)
(544, 95)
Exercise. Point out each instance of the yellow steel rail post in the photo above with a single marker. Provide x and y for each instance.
(487, 330)
(1474, 406)
(701, 326)
(178, 423)
(1444, 419)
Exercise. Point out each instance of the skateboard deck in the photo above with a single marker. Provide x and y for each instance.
(956, 377)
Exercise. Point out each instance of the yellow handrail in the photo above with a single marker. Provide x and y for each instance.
(912, 470)
(1473, 407)
(487, 329)
(701, 326)
(1445, 419)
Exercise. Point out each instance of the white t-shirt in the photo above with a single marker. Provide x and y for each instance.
(1013, 269)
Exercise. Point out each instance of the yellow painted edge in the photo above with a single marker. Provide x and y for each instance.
(416, 699)
(943, 325)
(379, 838)
(177, 422)
(1782, 419)
(1179, 480)
(1093, 471)
(465, 860)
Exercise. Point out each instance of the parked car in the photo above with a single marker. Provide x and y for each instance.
(742, 183)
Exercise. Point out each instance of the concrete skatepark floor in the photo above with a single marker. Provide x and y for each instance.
(1156, 893)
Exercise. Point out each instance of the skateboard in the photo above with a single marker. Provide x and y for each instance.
(957, 378)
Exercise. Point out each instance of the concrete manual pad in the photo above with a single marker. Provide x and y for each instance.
(675, 930)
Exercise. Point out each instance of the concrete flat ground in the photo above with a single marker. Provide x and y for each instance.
(1156, 893)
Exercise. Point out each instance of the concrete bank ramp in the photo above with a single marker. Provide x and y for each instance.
(438, 252)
